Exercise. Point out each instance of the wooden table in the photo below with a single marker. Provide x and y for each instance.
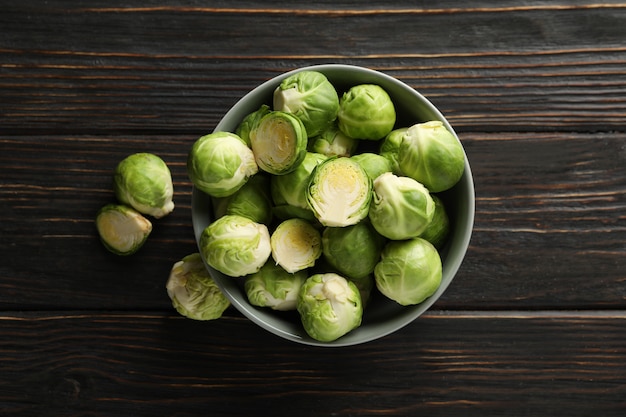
(534, 323)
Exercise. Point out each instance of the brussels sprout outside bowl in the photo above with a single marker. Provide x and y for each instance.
(382, 316)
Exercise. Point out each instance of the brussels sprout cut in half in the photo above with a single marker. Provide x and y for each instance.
(339, 192)
(279, 142)
(235, 245)
(193, 291)
(309, 96)
(144, 182)
(274, 287)
(220, 163)
(122, 230)
(296, 245)
(366, 112)
(330, 306)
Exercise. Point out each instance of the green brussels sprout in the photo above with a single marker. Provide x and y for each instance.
(353, 250)
(333, 142)
(390, 148)
(409, 271)
(235, 245)
(309, 96)
(296, 245)
(339, 192)
(401, 207)
(365, 286)
(249, 122)
(144, 182)
(373, 163)
(289, 191)
(432, 155)
(330, 306)
(438, 229)
(193, 291)
(220, 163)
(274, 287)
(122, 229)
(252, 200)
(279, 142)
(366, 112)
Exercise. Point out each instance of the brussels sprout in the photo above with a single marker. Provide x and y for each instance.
(390, 148)
(409, 271)
(289, 191)
(309, 96)
(373, 163)
(401, 207)
(330, 306)
(296, 245)
(144, 182)
(220, 163)
(339, 192)
(235, 245)
(249, 122)
(252, 200)
(193, 291)
(431, 154)
(279, 142)
(122, 230)
(365, 286)
(353, 250)
(333, 142)
(438, 229)
(274, 287)
(366, 112)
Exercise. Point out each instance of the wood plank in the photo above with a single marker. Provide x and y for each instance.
(116, 363)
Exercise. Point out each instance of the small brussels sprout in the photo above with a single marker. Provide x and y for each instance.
(353, 250)
(235, 245)
(365, 286)
(296, 245)
(333, 142)
(438, 229)
(409, 271)
(373, 163)
(249, 122)
(252, 200)
(366, 112)
(220, 163)
(279, 142)
(401, 207)
(339, 192)
(431, 154)
(390, 148)
(289, 191)
(122, 229)
(330, 306)
(274, 287)
(193, 291)
(144, 182)
(309, 96)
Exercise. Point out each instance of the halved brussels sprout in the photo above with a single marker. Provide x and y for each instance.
(249, 122)
(235, 245)
(330, 306)
(339, 192)
(279, 142)
(409, 271)
(431, 154)
(390, 148)
(193, 291)
(333, 142)
(438, 229)
(220, 163)
(274, 287)
(296, 245)
(309, 96)
(373, 163)
(366, 112)
(144, 182)
(123, 230)
(252, 200)
(401, 207)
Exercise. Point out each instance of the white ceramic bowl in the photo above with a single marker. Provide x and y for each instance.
(382, 316)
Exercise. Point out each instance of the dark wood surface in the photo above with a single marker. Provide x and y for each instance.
(534, 324)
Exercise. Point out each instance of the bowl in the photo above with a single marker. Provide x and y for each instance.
(382, 316)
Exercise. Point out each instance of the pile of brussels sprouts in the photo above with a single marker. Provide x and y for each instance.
(319, 200)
